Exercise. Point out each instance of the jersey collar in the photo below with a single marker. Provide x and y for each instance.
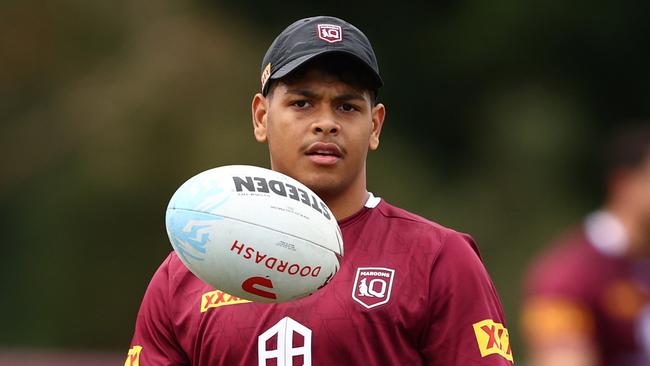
(606, 233)
(372, 201)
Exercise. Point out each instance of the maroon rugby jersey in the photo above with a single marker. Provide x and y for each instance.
(409, 292)
(586, 280)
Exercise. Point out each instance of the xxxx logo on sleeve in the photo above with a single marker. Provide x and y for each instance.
(217, 298)
(133, 357)
(372, 286)
(493, 339)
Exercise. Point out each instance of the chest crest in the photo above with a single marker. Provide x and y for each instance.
(372, 286)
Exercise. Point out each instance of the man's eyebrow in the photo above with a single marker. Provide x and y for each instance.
(311, 94)
(350, 96)
(303, 92)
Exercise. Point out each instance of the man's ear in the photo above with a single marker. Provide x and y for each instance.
(260, 108)
(378, 115)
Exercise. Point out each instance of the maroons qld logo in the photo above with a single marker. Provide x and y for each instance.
(372, 286)
(330, 33)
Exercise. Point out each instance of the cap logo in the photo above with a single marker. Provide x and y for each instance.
(265, 74)
(330, 33)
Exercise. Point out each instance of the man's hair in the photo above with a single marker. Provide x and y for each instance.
(629, 149)
(343, 67)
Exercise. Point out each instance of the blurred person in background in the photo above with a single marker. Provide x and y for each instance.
(587, 297)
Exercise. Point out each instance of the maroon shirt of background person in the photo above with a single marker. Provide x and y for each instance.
(612, 291)
(409, 292)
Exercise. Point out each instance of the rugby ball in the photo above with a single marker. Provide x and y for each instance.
(254, 233)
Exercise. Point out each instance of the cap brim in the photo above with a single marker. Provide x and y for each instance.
(295, 64)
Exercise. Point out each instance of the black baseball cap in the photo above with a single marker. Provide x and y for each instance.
(309, 38)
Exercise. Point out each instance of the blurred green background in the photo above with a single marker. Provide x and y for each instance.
(496, 113)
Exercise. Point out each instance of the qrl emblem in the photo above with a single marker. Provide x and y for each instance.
(372, 286)
(330, 33)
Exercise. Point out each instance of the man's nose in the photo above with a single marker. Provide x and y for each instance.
(326, 123)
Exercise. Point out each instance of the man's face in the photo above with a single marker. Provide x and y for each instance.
(319, 130)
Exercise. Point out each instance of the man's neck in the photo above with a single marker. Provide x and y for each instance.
(636, 232)
(346, 205)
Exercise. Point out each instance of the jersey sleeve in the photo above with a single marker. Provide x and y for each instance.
(467, 324)
(555, 310)
(154, 341)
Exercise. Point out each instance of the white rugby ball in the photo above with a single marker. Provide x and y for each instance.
(254, 233)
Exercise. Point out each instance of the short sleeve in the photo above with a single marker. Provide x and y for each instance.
(467, 325)
(554, 309)
(154, 341)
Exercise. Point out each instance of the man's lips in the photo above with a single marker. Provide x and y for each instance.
(324, 148)
(324, 153)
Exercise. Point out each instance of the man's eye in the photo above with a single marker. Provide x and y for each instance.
(348, 107)
(300, 103)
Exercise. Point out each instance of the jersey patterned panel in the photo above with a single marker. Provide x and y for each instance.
(409, 292)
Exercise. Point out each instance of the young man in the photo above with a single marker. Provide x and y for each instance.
(409, 291)
(587, 298)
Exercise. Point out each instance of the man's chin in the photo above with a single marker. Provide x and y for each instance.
(323, 186)
(323, 183)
